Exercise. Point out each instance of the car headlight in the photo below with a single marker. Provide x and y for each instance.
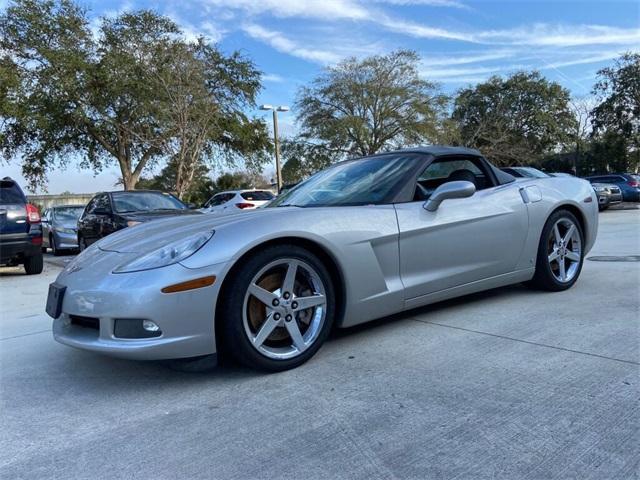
(69, 231)
(172, 253)
(601, 189)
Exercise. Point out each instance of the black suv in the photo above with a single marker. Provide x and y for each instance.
(20, 229)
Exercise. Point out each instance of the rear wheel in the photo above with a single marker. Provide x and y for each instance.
(34, 265)
(278, 309)
(560, 253)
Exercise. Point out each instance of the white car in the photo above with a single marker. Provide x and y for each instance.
(234, 201)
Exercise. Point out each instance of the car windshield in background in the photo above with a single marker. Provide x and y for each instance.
(67, 214)
(10, 193)
(258, 196)
(365, 181)
(145, 202)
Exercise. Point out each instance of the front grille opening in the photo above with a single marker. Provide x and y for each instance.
(86, 322)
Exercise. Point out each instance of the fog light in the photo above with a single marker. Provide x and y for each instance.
(150, 326)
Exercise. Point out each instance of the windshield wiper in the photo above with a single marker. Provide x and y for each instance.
(290, 205)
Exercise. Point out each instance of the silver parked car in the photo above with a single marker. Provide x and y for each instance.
(60, 228)
(363, 239)
(233, 201)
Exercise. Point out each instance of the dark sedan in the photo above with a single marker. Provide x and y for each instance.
(108, 212)
(628, 183)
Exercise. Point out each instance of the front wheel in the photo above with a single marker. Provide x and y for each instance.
(560, 253)
(278, 309)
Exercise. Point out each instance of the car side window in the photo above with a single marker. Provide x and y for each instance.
(444, 170)
(102, 202)
(91, 206)
(216, 200)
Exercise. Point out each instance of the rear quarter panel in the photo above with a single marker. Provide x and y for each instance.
(557, 192)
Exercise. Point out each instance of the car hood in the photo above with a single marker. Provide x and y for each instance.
(150, 236)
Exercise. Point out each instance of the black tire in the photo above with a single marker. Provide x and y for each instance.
(234, 337)
(34, 265)
(54, 248)
(544, 278)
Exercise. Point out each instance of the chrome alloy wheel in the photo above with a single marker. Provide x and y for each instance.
(284, 308)
(564, 249)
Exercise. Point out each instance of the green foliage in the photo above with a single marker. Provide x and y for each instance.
(302, 159)
(360, 107)
(616, 119)
(136, 93)
(516, 120)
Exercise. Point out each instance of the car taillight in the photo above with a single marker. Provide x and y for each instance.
(633, 183)
(33, 216)
(245, 205)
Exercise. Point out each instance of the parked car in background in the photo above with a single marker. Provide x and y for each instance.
(234, 201)
(108, 212)
(60, 228)
(628, 183)
(607, 195)
(525, 172)
(20, 229)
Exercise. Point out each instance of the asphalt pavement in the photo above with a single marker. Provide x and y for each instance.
(510, 383)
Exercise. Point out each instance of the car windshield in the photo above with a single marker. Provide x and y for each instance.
(145, 201)
(372, 180)
(67, 214)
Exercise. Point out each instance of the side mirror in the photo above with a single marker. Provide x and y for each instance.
(455, 189)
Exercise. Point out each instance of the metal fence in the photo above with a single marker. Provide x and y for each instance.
(47, 201)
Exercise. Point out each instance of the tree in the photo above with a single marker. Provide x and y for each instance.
(302, 159)
(117, 95)
(618, 113)
(360, 107)
(516, 120)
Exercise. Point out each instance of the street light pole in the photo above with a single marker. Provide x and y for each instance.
(276, 143)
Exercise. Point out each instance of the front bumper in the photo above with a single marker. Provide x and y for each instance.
(66, 240)
(186, 319)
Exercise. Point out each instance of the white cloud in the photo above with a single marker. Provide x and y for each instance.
(322, 9)
(430, 3)
(542, 34)
(273, 77)
(284, 44)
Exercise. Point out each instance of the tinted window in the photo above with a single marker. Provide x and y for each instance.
(91, 206)
(258, 195)
(145, 201)
(10, 192)
(67, 214)
(218, 199)
(102, 203)
(372, 180)
(442, 169)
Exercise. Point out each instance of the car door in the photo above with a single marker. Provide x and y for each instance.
(466, 239)
(106, 223)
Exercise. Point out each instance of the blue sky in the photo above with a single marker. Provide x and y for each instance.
(461, 41)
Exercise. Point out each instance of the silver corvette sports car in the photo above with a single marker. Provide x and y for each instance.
(363, 239)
